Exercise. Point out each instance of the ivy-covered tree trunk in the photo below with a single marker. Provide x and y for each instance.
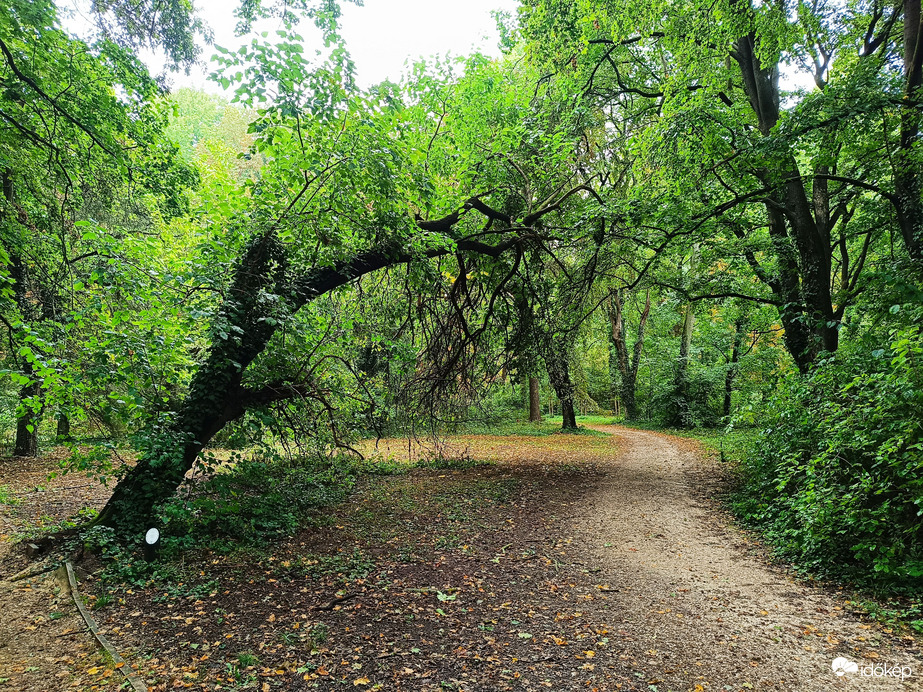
(26, 444)
(556, 361)
(241, 331)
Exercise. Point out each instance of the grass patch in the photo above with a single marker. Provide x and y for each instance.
(8, 497)
(513, 427)
(548, 426)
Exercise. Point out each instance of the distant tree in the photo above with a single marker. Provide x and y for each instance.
(627, 362)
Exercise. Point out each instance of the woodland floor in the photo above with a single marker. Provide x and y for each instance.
(573, 562)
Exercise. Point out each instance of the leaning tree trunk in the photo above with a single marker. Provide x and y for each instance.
(535, 400)
(215, 396)
(242, 329)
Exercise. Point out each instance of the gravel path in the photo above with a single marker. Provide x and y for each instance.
(701, 602)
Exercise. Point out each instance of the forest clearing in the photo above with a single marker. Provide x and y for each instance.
(561, 562)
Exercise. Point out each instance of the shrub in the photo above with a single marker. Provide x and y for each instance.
(837, 479)
(256, 499)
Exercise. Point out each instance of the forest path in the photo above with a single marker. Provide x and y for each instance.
(700, 600)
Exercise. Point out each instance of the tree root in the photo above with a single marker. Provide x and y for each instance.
(134, 680)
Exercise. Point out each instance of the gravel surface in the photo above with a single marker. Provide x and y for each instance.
(698, 595)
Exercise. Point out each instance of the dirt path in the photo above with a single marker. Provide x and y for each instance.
(705, 610)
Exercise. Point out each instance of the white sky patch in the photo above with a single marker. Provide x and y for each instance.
(381, 35)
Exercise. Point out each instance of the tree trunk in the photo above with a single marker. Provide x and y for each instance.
(731, 374)
(63, 432)
(27, 426)
(26, 444)
(627, 366)
(682, 413)
(535, 400)
(243, 327)
(568, 416)
(556, 360)
(908, 184)
(800, 237)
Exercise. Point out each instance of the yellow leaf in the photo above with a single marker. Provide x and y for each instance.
(360, 681)
(590, 654)
(92, 671)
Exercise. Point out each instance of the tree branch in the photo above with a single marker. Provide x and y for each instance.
(11, 61)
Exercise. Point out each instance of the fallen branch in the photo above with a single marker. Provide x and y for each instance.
(336, 601)
(38, 571)
(134, 680)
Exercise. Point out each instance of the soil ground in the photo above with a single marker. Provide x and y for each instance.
(572, 562)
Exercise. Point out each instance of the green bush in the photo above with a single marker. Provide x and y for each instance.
(256, 499)
(836, 481)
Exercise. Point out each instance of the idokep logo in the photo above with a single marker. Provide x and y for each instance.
(843, 666)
